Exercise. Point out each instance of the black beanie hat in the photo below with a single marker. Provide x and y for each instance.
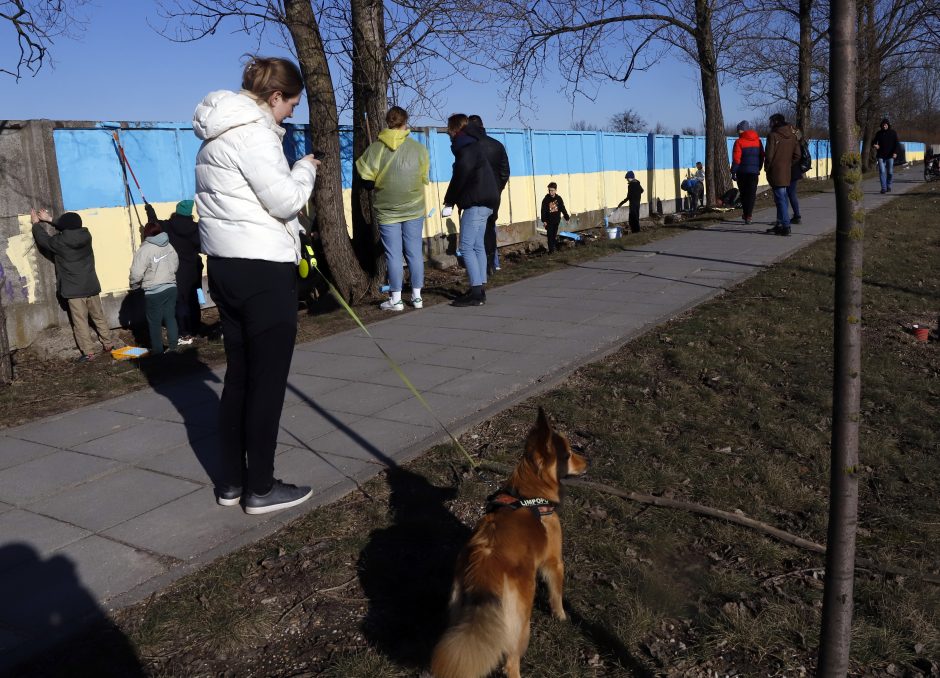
(69, 221)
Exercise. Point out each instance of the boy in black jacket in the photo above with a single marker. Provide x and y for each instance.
(553, 207)
(634, 191)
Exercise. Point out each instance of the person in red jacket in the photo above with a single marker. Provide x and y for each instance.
(747, 160)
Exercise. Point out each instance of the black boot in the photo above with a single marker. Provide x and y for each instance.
(474, 297)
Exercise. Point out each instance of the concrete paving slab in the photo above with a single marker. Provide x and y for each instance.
(445, 407)
(25, 536)
(126, 444)
(301, 387)
(44, 595)
(50, 474)
(14, 451)
(424, 376)
(350, 398)
(199, 463)
(375, 440)
(114, 499)
(68, 430)
(350, 368)
(170, 529)
(153, 405)
(464, 358)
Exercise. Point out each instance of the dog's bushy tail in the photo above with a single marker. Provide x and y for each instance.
(474, 643)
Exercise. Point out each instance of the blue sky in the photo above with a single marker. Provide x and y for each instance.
(120, 68)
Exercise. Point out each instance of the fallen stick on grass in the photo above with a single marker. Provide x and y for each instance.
(728, 516)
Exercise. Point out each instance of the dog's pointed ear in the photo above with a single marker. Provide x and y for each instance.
(542, 423)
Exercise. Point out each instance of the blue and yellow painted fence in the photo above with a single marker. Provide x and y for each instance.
(588, 167)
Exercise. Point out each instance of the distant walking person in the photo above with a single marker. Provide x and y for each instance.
(76, 279)
(248, 199)
(553, 207)
(634, 193)
(396, 166)
(474, 189)
(796, 173)
(183, 232)
(154, 270)
(783, 151)
(885, 144)
(499, 162)
(747, 160)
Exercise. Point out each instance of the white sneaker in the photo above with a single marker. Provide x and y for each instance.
(184, 341)
(389, 305)
(417, 302)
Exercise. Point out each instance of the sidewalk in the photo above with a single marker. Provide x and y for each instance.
(102, 506)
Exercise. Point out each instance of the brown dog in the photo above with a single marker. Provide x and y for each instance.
(494, 585)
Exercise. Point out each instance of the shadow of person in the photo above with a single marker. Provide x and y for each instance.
(608, 644)
(131, 316)
(187, 382)
(57, 626)
(406, 569)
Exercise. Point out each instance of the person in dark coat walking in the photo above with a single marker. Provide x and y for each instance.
(885, 144)
(634, 193)
(474, 189)
(183, 232)
(783, 151)
(553, 207)
(76, 279)
(499, 162)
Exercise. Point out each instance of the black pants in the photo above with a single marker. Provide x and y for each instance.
(257, 302)
(188, 314)
(747, 186)
(489, 242)
(552, 230)
(634, 218)
(159, 309)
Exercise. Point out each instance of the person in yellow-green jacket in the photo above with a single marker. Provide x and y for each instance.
(396, 166)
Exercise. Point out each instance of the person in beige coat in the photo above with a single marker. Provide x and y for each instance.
(783, 151)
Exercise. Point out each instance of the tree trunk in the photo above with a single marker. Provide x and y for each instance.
(717, 170)
(836, 632)
(869, 73)
(6, 356)
(370, 100)
(349, 278)
(804, 83)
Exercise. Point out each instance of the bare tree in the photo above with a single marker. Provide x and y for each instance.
(627, 121)
(584, 126)
(36, 24)
(577, 34)
(836, 630)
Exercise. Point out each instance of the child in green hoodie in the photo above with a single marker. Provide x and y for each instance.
(396, 166)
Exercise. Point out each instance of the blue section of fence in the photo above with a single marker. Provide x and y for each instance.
(162, 156)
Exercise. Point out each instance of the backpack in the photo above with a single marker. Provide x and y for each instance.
(806, 160)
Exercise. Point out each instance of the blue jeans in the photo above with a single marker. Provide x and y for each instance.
(472, 230)
(886, 172)
(794, 200)
(396, 237)
(783, 208)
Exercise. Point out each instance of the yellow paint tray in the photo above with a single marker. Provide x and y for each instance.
(129, 353)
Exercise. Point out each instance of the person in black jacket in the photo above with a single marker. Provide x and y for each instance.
(76, 279)
(184, 237)
(499, 162)
(473, 189)
(634, 193)
(885, 144)
(553, 206)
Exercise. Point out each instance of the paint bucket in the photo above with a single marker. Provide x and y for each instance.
(613, 233)
(921, 333)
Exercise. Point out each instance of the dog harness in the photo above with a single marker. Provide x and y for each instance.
(540, 506)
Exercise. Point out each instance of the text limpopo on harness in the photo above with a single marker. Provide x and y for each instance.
(540, 506)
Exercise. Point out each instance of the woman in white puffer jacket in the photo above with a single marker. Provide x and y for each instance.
(248, 199)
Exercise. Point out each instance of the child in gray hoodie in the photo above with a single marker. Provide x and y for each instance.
(154, 270)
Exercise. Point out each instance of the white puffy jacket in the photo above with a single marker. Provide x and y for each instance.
(247, 195)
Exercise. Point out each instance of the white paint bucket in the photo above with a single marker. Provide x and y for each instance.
(613, 232)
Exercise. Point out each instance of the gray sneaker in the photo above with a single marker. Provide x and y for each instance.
(228, 496)
(281, 496)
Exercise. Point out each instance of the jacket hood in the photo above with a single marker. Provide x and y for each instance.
(160, 239)
(182, 225)
(885, 122)
(223, 110)
(393, 138)
(76, 238)
(750, 135)
(462, 139)
(785, 131)
(475, 131)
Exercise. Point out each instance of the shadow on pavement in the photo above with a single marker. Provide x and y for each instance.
(406, 569)
(51, 605)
